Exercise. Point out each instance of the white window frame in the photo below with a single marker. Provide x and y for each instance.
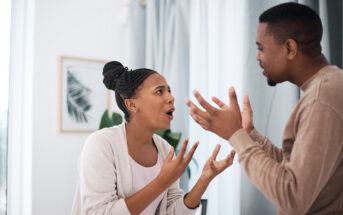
(19, 179)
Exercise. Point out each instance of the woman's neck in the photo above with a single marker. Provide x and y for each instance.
(138, 134)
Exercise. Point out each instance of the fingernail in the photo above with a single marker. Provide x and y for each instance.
(231, 89)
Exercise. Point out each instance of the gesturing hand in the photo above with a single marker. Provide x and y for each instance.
(224, 122)
(172, 169)
(247, 115)
(212, 167)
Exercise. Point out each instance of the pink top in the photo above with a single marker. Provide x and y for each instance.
(141, 176)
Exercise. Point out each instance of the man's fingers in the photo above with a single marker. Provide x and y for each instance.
(215, 152)
(203, 102)
(191, 152)
(233, 98)
(198, 119)
(221, 104)
(194, 108)
(246, 102)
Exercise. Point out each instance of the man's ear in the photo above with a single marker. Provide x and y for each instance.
(131, 105)
(292, 48)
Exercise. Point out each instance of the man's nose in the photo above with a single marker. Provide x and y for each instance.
(258, 56)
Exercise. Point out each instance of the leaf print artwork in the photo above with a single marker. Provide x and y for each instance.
(77, 99)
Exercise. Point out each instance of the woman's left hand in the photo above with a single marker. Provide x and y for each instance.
(212, 167)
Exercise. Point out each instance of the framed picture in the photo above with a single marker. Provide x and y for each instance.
(83, 97)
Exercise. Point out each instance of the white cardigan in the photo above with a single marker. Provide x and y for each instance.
(106, 180)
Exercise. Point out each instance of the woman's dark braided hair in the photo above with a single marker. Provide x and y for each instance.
(124, 82)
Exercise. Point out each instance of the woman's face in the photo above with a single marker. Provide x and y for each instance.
(154, 104)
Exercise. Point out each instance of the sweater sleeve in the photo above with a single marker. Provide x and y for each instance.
(272, 150)
(295, 184)
(98, 179)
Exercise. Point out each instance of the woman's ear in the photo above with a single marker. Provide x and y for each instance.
(292, 48)
(131, 105)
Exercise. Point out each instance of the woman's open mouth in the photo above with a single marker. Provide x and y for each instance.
(170, 113)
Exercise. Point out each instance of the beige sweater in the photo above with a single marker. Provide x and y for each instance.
(306, 175)
(106, 179)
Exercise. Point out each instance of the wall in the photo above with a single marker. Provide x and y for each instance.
(87, 28)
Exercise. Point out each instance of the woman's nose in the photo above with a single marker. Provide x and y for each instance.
(171, 99)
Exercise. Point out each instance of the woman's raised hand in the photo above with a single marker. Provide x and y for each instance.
(212, 167)
(172, 169)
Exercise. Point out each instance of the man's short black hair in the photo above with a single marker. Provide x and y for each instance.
(297, 22)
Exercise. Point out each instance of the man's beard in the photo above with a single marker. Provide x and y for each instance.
(271, 83)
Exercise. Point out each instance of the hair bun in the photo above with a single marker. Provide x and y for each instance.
(111, 72)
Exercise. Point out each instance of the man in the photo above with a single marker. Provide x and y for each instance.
(306, 175)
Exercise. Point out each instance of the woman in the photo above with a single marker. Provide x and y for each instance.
(127, 169)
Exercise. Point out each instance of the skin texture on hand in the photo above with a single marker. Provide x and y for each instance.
(224, 121)
(172, 169)
(212, 167)
(247, 115)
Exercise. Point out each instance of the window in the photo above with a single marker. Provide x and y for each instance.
(5, 23)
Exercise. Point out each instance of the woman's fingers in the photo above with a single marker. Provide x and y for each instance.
(189, 156)
(215, 152)
(183, 149)
(230, 157)
(170, 154)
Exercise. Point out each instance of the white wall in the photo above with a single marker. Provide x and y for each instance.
(87, 28)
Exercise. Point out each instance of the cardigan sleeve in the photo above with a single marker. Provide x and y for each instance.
(175, 196)
(98, 178)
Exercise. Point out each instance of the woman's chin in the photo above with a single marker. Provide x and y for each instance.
(164, 127)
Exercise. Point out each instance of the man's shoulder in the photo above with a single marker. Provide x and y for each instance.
(330, 87)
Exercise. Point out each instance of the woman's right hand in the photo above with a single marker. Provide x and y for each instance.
(172, 169)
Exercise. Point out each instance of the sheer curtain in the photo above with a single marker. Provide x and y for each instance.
(159, 39)
(159, 35)
(216, 62)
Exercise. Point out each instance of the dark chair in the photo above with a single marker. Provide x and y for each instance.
(203, 204)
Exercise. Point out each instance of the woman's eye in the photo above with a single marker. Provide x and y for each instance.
(159, 92)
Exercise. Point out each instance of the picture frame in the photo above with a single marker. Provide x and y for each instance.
(83, 98)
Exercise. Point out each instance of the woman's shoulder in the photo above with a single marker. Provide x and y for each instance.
(105, 138)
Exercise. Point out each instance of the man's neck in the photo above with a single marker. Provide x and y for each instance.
(308, 67)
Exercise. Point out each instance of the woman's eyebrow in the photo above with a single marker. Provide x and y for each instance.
(162, 87)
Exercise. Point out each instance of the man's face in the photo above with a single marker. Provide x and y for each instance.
(272, 56)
